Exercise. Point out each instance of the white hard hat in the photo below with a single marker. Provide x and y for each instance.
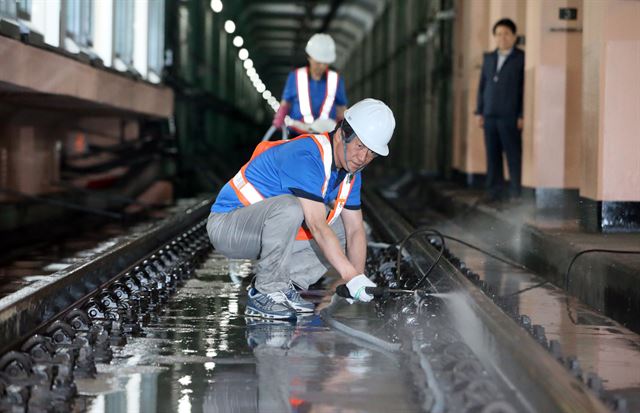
(321, 48)
(373, 122)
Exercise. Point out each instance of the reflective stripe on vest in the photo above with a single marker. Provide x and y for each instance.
(248, 194)
(302, 84)
(332, 87)
(343, 195)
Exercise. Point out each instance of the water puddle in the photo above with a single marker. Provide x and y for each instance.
(202, 355)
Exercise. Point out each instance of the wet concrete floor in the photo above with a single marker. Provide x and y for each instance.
(600, 344)
(202, 355)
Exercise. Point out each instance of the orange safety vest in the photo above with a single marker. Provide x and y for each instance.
(248, 194)
(304, 98)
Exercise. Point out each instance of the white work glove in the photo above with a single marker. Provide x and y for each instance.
(322, 125)
(356, 288)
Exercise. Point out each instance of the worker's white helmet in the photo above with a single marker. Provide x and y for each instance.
(373, 122)
(321, 48)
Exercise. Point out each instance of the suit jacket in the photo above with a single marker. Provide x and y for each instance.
(500, 93)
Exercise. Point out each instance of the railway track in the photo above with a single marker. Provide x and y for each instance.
(57, 330)
(461, 351)
(521, 362)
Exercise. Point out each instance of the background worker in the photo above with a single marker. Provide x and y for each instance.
(258, 214)
(313, 94)
(499, 110)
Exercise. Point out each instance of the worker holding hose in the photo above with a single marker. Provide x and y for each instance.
(275, 210)
(314, 96)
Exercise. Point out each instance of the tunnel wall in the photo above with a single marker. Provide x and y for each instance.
(219, 115)
(405, 60)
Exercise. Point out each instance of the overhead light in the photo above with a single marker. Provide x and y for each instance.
(243, 54)
(229, 26)
(216, 6)
(261, 88)
(251, 71)
(248, 64)
(266, 95)
(237, 41)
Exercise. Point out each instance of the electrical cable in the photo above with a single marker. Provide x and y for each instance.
(603, 250)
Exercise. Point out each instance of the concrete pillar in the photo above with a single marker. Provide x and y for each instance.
(29, 158)
(472, 38)
(553, 81)
(610, 174)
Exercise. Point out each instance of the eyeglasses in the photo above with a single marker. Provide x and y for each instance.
(361, 147)
(358, 143)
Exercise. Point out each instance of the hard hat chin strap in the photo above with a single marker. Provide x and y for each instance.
(346, 161)
(345, 141)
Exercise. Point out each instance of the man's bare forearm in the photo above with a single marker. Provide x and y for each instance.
(332, 250)
(357, 249)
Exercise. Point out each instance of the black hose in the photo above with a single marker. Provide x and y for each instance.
(504, 260)
(442, 237)
(568, 272)
(524, 290)
(575, 257)
(429, 231)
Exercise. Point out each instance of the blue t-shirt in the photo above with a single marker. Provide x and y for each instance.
(317, 92)
(293, 168)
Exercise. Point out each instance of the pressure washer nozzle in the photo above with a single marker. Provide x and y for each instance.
(376, 292)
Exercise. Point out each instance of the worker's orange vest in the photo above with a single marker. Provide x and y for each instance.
(248, 194)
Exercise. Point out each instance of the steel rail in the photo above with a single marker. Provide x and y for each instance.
(539, 379)
(33, 306)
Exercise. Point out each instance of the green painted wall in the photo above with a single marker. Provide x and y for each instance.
(405, 60)
(219, 116)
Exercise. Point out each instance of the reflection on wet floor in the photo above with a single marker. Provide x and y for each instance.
(600, 344)
(202, 355)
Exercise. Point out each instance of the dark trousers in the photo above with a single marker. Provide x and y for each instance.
(502, 134)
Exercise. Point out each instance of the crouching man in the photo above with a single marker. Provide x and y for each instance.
(275, 210)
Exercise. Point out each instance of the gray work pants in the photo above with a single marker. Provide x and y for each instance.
(266, 231)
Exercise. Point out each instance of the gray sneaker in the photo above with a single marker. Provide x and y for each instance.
(273, 305)
(297, 302)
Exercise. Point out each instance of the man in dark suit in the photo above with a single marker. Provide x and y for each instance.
(499, 109)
